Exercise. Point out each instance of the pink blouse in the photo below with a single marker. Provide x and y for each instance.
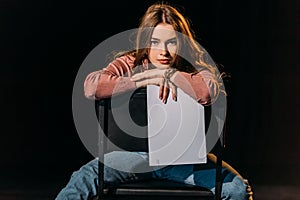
(115, 79)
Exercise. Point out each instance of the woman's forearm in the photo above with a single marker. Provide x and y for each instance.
(202, 86)
(114, 79)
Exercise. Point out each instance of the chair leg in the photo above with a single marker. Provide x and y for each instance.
(101, 113)
(219, 177)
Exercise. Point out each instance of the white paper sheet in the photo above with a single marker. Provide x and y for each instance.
(176, 132)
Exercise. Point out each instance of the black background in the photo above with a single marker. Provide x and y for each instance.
(43, 44)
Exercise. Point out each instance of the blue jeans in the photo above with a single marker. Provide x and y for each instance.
(84, 182)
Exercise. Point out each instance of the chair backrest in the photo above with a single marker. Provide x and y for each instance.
(138, 114)
(137, 104)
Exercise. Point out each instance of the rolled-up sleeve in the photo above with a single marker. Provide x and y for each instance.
(91, 84)
(203, 86)
(113, 79)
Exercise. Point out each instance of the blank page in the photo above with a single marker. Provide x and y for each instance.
(176, 132)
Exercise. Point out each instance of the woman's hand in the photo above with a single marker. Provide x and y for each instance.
(156, 77)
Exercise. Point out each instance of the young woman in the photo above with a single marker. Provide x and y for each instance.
(167, 56)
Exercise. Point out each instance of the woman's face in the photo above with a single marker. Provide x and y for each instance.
(163, 46)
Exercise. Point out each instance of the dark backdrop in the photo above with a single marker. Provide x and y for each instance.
(43, 44)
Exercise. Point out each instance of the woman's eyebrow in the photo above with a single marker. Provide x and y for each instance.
(174, 38)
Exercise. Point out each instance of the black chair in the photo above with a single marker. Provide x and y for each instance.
(149, 189)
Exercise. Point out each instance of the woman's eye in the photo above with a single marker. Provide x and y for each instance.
(173, 42)
(153, 42)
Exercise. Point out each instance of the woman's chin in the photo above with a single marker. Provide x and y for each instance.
(162, 66)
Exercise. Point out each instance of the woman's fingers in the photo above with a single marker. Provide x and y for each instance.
(137, 77)
(166, 91)
(148, 74)
(164, 87)
(151, 81)
(161, 92)
(174, 91)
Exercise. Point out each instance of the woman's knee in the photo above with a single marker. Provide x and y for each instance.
(130, 162)
(237, 189)
(89, 169)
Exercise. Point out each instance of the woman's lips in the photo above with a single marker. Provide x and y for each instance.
(164, 61)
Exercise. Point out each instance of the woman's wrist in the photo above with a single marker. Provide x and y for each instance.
(169, 74)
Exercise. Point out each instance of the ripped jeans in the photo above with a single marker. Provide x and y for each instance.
(130, 166)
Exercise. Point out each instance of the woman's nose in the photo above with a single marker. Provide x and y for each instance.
(163, 53)
(164, 50)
